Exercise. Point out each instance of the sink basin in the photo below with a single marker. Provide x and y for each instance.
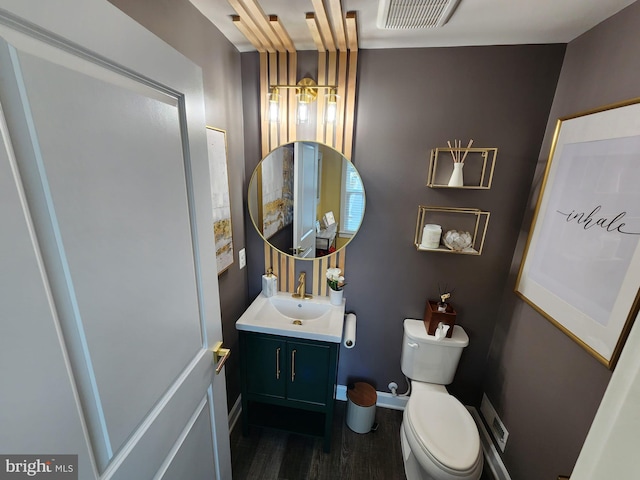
(299, 309)
(313, 319)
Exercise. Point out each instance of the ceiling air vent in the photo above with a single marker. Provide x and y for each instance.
(407, 14)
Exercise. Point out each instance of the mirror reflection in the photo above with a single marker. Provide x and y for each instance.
(306, 199)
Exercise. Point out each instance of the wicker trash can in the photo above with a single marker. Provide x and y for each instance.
(361, 407)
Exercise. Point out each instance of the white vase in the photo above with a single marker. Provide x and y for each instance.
(456, 177)
(335, 296)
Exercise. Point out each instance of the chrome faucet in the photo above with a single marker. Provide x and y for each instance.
(301, 288)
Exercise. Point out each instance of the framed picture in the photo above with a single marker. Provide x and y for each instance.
(328, 219)
(581, 265)
(217, 151)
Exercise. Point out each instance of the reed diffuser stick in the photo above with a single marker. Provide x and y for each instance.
(468, 146)
(456, 150)
(452, 154)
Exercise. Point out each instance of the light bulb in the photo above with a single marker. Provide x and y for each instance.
(274, 111)
(274, 105)
(331, 109)
(303, 112)
(331, 112)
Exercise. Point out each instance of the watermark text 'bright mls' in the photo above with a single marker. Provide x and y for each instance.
(49, 467)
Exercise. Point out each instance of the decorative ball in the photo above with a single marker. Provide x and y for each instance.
(457, 241)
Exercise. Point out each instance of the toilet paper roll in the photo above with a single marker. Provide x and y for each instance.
(349, 335)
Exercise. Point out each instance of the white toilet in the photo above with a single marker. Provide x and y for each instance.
(440, 440)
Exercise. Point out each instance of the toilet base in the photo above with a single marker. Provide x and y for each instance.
(414, 471)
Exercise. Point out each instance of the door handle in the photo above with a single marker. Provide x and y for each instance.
(220, 356)
(278, 363)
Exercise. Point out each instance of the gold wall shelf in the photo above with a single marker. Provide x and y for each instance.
(478, 167)
(469, 220)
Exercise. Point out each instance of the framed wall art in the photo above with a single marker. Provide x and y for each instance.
(581, 265)
(217, 150)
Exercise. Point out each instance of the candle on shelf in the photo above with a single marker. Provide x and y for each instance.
(431, 236)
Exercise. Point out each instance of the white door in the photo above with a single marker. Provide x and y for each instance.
(611, 447)
(305, 192)
(109, 302)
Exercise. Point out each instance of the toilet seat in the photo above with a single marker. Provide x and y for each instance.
(441, 431)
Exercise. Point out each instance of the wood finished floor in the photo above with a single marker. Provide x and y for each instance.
(273, 455)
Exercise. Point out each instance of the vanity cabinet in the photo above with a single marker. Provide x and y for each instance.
(288, 383)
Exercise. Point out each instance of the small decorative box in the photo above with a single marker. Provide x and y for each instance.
(432, 318)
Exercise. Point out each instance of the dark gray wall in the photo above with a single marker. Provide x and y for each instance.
(545, 387)
(410, 101)
(252, 150)
(182, 26)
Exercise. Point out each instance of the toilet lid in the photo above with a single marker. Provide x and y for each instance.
(444, 429)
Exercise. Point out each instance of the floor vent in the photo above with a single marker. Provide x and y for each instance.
(496, 427)
(494, 467)
(414, 14)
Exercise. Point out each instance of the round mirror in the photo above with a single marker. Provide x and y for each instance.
(306, 199)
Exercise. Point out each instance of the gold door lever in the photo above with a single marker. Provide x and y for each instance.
(220, 356)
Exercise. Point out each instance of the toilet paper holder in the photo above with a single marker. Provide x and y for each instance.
(349, 333)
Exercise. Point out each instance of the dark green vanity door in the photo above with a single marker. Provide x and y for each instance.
(266, 371)
(308, 373)
(288, 384)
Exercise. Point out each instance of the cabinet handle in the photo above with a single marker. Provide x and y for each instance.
(278, 363)
(293, 365)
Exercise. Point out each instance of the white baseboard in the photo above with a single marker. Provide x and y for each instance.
(491, 456)
(385, 399)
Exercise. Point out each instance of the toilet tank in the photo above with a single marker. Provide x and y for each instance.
(425, 359)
